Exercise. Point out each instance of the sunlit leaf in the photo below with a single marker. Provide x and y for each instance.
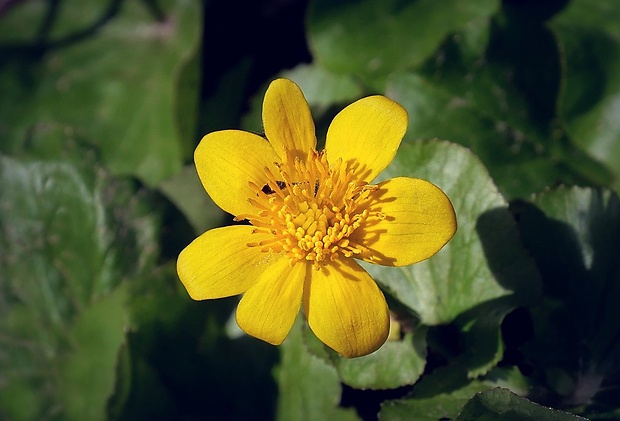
(309, 388)
(397, 363)
(482, 273)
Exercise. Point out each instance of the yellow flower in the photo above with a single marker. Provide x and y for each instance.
(311, 215)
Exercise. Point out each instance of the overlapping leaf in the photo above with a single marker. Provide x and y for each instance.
(589, 38)
(499, 106)
(372, 38)
(574, 236)
(70, 234)
(446, 403)
(501, 404)
(399, 362)
(483, 273)
(111, 74)
(309, 387)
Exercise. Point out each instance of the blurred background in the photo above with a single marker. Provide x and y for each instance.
(102, 103)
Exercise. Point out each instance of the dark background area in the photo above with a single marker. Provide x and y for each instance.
(262, 37)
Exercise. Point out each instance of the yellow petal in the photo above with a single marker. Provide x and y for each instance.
(220, 264)
(227, 160)
(346, 309)
(267, 310)
(287, 120)
(419, 221)
(366, 135)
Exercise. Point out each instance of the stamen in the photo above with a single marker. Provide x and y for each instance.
(310, 210)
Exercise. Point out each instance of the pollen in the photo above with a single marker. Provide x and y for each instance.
(311, 210)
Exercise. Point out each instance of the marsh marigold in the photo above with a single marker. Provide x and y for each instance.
(311, 216)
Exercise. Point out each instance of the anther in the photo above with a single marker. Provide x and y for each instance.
(310, 209)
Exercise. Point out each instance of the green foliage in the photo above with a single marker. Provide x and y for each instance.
(186, 192)
(309, 388)
(502, 404)
(443, 395)
(588, 39)
(371, 38)
(399, 362)
(514, 111)
(573, 234)
(70, 236)
(70, 73)
(489, 272)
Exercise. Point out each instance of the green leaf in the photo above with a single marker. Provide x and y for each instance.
(482, 273)
(574, 236)
(185, 190)
(309, 388)
(397, 363)
(441, 395)
(222, 108)
(323, 88)
(186, 100)
(116, 82)
(87, 372)
(509, 377)
(494, 88)
(70, 234)
(435, 111)
(13, 29)
(589, 39)
(498, 403)
(180, 361)
(326, 92)
(374, 38)
(489, 117)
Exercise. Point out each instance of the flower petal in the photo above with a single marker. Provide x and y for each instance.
(220, 264)
(267, 310)
(346, 309)
(366, 135)
(419, 221)
(287, 120)
(227, 160)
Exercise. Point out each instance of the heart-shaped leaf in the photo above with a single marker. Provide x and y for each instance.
(482, 273)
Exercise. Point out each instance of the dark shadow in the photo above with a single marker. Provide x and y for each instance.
(471, 341)
(510, 265)
(554, 246)
(368, 402)
(525, 46)
(575, 325)
(262, 36)
(190, 369)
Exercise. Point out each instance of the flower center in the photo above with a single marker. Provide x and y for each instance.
(311, 210)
